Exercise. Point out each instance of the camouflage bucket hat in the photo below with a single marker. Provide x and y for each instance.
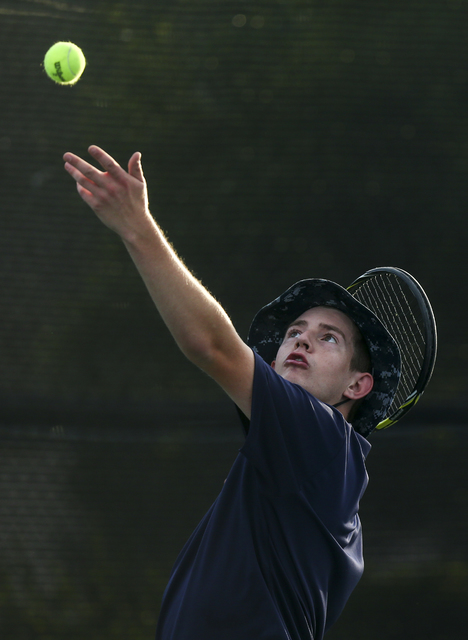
(269, 326)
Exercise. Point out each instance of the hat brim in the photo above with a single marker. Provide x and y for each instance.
(269, 326)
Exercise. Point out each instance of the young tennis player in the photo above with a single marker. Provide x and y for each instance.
(279, 552)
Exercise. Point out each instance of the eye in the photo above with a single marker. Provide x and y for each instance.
(293, 333)
(329, 337)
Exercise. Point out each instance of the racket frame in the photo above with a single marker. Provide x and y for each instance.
(430, 336)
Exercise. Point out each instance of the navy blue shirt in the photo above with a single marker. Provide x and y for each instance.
(280, 550)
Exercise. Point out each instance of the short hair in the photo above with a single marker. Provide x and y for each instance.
(360, 360)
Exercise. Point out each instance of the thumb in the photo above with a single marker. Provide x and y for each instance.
(134, 167)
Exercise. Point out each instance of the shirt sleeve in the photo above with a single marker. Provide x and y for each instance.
(292, 436)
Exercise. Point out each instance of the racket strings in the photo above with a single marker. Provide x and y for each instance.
(403, 323)
(386, 297)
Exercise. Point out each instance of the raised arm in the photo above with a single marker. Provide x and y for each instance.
(198, 323)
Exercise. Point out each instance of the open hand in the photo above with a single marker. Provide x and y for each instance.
(119, 198)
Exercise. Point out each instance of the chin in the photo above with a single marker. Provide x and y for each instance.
(297, 377)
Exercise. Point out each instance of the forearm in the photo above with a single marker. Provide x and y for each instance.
(196, 320)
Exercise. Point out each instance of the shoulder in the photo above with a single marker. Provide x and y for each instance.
(285, 413)
(291, 436)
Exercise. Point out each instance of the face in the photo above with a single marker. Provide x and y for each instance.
(316, 354)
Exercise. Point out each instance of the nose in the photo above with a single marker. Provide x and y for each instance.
(302, 342)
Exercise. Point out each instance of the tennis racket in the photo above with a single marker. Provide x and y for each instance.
(401, 304)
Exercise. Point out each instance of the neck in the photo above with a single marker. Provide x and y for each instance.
(346, 410)
(338, 404)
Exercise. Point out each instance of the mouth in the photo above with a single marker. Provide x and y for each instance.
(297, 359)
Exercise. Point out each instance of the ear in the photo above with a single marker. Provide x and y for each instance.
(273, 364)
(360, 387)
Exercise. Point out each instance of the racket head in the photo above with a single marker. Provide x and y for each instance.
(401, 304)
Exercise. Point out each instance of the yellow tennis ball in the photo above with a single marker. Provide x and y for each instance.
(64, 62)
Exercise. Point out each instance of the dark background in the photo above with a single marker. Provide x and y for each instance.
(280, 140)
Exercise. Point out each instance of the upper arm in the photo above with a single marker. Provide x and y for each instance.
(233, 369)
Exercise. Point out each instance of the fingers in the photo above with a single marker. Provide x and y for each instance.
(106, 161)
(82, 171)
(134, 167)
(86, 195)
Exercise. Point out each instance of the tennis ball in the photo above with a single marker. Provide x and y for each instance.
(64, 63)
